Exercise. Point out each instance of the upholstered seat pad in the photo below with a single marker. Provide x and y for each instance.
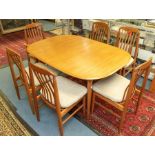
(129, 63)
(44, 66)
(151, 76)
(69, 91)
(112, 87)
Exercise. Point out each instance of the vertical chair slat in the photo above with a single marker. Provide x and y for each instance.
(100, 30)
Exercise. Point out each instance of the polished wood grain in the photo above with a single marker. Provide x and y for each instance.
(79, 57)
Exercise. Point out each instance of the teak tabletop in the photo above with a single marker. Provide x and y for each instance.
(80, 57)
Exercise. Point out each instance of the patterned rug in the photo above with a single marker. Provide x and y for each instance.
(16, 42)
(140, 124)
(10, 123)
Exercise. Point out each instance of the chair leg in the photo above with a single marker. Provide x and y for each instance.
(152, 86)
(120, 72)
(36, 108)
(121, 123)
(84, 106)
(61, 129)
(16, 87)
(123, 71)
(17, 91)
(93, 102)
(37, 113)
(29, 98)
(138, 104)
(139, 93)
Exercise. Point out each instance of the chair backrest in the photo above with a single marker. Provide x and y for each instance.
(140, 71)
(48, 85)
(33, 32)
(100, 32)
(15, 59)
(127, 39)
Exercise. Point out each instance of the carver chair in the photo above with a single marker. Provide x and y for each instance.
(118, 91)
(58, 93)
(128, 40)
(20, 74)
(100, 32)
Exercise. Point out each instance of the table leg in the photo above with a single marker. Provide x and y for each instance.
(89, 95)
(152, 87)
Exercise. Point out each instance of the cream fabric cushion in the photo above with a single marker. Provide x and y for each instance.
(151, 76)
(112, 87)
(129, 63)
(69, 91)
(44, 66)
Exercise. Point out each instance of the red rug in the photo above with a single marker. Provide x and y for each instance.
(14, 41)
(140, 124)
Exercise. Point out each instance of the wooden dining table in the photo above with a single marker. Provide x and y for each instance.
(80, 57)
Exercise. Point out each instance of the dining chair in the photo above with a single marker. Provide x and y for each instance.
(20, 74)
(58, 93)
(118, 91)
(128, 40)
(33, 32)
(100, 32)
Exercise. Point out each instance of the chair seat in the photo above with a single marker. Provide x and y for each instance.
(152, 73)
(129, 63)
(151, 76)
(112, 87)
(69, 91)
(44, 66)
